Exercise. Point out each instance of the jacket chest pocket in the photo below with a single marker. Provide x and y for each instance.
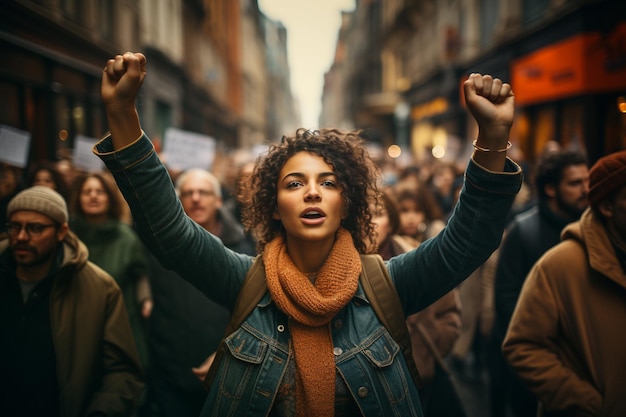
(246, 346)
(383, 356)
(241, 367)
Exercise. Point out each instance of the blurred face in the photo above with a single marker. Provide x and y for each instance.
(8, 182)
(199, 199)
(571, 194)
(412, 219)
(94, 200)
(44, 178)
(64, 167)
(309, 200)
(443, 179)
(36, 248)
(380, 220)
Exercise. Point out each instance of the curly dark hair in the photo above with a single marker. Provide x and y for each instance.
(356, 173)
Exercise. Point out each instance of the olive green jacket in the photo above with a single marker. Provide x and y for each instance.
(97, 365)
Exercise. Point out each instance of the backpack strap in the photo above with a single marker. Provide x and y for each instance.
(385, 302)
(376, 284)
(252, 290)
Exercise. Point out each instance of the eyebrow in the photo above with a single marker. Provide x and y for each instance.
(196, 189)
(302, 175)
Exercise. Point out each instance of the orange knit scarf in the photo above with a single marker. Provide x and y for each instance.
(310, 308)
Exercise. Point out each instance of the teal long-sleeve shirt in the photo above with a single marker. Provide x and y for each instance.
(421, 276)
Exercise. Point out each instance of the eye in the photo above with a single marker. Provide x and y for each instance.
(294, 184)
(328, 183)
(35, 228)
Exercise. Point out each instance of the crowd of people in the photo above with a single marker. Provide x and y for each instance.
(116, 287)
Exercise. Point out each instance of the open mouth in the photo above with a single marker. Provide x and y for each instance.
(313, 215)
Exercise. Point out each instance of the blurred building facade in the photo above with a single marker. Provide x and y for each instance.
(400, 64)
(212, 64)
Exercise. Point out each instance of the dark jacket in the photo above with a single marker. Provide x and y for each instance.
(97, 366)
(529, 236)
(185, 326)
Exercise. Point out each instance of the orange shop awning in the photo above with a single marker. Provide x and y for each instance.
(584, 64)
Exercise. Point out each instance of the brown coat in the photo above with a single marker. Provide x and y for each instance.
(567, 337)
(434, 330)
(97, 364)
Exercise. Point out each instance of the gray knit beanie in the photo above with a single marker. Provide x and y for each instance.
(40, 199)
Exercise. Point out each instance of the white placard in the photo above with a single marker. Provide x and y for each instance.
(184, 150)
(83, 156)
(14, 146)
(258, 150)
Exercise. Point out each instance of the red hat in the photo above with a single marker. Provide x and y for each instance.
(607, 175)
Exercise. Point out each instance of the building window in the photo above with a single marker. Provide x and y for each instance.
(163, 117)
(488, 20)
(105, 15)
(9, 114)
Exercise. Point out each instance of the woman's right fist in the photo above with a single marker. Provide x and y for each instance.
(121, 79)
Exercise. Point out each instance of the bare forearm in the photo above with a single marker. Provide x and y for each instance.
(124, 126)
(493, 160)
(121, 79)
(491, 103)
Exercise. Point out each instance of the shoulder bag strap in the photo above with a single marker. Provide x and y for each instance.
(384, 299)
(252, 290)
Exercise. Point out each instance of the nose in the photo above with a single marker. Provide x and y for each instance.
(22, 235)
(195, 196)
(312, 194)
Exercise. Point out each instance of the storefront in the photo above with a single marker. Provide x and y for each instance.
(50, 95)
(437, 118)
(569, 80)
(573, 91)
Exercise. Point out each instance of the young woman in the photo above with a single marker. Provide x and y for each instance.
(420, 215)
(312, 346)
(114, 246)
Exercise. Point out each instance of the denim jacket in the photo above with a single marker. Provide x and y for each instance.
(366, 356)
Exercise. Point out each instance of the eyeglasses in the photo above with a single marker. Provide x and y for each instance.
(202, 193)
(32, 229)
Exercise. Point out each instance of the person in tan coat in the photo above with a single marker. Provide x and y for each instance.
(66, 346)
(566, 338)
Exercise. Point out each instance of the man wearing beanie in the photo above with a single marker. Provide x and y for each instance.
(66, 346)
(566, 339)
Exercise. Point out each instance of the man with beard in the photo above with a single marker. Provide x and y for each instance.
(561, 184)
(67, 348)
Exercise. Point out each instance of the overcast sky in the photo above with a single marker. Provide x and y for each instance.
(312, 30)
